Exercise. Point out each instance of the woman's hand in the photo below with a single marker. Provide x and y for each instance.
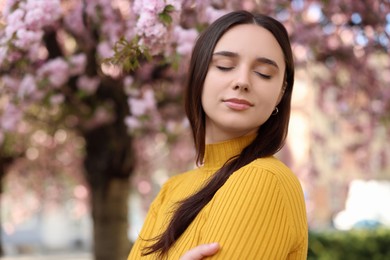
(201, 251)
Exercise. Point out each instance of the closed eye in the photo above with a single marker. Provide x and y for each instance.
(224, 68)
(264, 76)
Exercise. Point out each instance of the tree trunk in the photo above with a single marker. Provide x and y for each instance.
(110, 221)
(5, 162)
(1, 229)
(108, 159)
(109, 162)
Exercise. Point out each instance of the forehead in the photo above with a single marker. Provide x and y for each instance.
(251, 40)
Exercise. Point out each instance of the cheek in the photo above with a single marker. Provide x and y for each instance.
(209, 87)
(269, 95)
(206, 99)
(204, 96)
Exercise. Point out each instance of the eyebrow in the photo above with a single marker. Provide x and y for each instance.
(234, 55)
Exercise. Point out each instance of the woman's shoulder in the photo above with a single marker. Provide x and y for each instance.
(180, 177)
(268, 177)
(274, 166)
(179, 186)
(171, 185)
(270, 168)
(178, 180)
(271, 164)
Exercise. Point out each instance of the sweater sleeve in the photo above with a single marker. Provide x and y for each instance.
(250, 218)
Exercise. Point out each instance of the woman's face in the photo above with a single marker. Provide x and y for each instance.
(243, 83)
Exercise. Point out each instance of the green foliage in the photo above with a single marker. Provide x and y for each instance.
(128, 54)
(350, 245)
(165, 16)
(12, 146)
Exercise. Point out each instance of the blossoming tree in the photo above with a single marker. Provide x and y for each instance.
(52, 70)
(62, 62)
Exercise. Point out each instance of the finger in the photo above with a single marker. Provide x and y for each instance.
(201, 251)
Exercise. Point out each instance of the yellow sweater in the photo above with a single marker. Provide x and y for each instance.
(259, 213)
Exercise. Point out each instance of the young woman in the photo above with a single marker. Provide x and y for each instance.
(238, 103)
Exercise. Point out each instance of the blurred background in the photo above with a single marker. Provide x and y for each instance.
(92, 123)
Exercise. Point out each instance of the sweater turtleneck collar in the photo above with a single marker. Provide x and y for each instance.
(217, 154)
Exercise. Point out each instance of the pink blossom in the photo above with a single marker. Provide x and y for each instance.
(36, 52)
(88, 84)
(146, 20)
(130, 30)
(154, 6)
(26, 38)
(10, 82)
(199, 8)
(91, 8)
(7, 6)
(113, 30)
(10, 118)
(113, 26)
(42, 13)
(105, 50)
(37, 95)
(108, 19)
(56, 70)
(132, 122)
(57, 99)
(153, 33)
(156, 30)
(129, 88)
(109, 13)
(27, 86)
(154, 37)
(137, 6)
(185, 39)
(14, 23)
(213, 14)
(77, 64)
(139, 106)
(177, 4)
(128, 81)
(13, 56)
(33, 18)
(74, 20)
(3, 53)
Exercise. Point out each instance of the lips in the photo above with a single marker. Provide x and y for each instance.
(237, 104)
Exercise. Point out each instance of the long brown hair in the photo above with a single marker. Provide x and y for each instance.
(270, 136)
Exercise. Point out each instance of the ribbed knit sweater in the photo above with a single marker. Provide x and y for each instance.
(259, 213)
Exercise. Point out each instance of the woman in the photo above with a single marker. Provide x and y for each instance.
(238, 103)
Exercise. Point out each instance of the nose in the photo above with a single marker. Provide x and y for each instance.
(241, 86)
(242, 80)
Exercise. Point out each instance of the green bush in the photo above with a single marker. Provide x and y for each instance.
(360, 244)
